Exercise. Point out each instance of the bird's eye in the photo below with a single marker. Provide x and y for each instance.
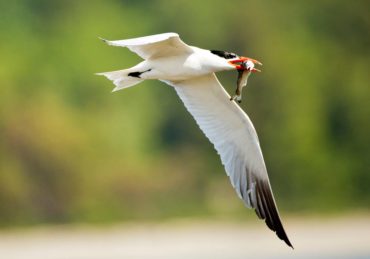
(232, 55)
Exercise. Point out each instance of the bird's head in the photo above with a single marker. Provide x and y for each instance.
(238, 62)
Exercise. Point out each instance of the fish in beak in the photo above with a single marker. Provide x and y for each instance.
(245, 67)
(240, 62)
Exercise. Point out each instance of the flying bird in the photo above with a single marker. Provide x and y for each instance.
(191, 72)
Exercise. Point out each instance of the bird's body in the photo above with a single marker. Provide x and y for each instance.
(176, 68)
(190, 70)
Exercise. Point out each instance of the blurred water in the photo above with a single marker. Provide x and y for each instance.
(319, 238)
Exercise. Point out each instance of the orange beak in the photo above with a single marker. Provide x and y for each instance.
(241, 60)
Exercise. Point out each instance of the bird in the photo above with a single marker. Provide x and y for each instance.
(191, 72)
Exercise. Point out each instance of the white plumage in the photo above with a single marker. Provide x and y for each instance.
(190, 70)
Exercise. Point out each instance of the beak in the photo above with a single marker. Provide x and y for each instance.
(245, 59)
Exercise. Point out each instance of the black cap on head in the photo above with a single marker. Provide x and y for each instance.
(224, 54)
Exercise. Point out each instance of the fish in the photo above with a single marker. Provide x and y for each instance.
(244, 72)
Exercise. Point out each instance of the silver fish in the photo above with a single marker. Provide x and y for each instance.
(243, 75)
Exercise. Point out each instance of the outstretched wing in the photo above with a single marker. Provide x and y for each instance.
(154, 46)
(232, 133)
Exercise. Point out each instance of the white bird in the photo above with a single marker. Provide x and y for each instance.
(190, 70)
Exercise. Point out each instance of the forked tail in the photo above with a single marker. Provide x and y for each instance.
(122, 78)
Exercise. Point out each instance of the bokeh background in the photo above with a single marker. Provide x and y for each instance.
(73, 152)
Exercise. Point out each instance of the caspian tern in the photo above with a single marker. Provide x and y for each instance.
(190, 71)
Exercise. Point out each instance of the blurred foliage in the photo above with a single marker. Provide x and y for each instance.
(72, 151)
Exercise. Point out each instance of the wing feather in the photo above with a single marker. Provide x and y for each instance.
(154, 46)
(232, 133)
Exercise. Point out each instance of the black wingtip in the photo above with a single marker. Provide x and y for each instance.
(266, 209)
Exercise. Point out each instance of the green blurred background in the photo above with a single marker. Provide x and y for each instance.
(71, 151)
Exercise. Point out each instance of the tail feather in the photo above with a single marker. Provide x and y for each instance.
(121, 79)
